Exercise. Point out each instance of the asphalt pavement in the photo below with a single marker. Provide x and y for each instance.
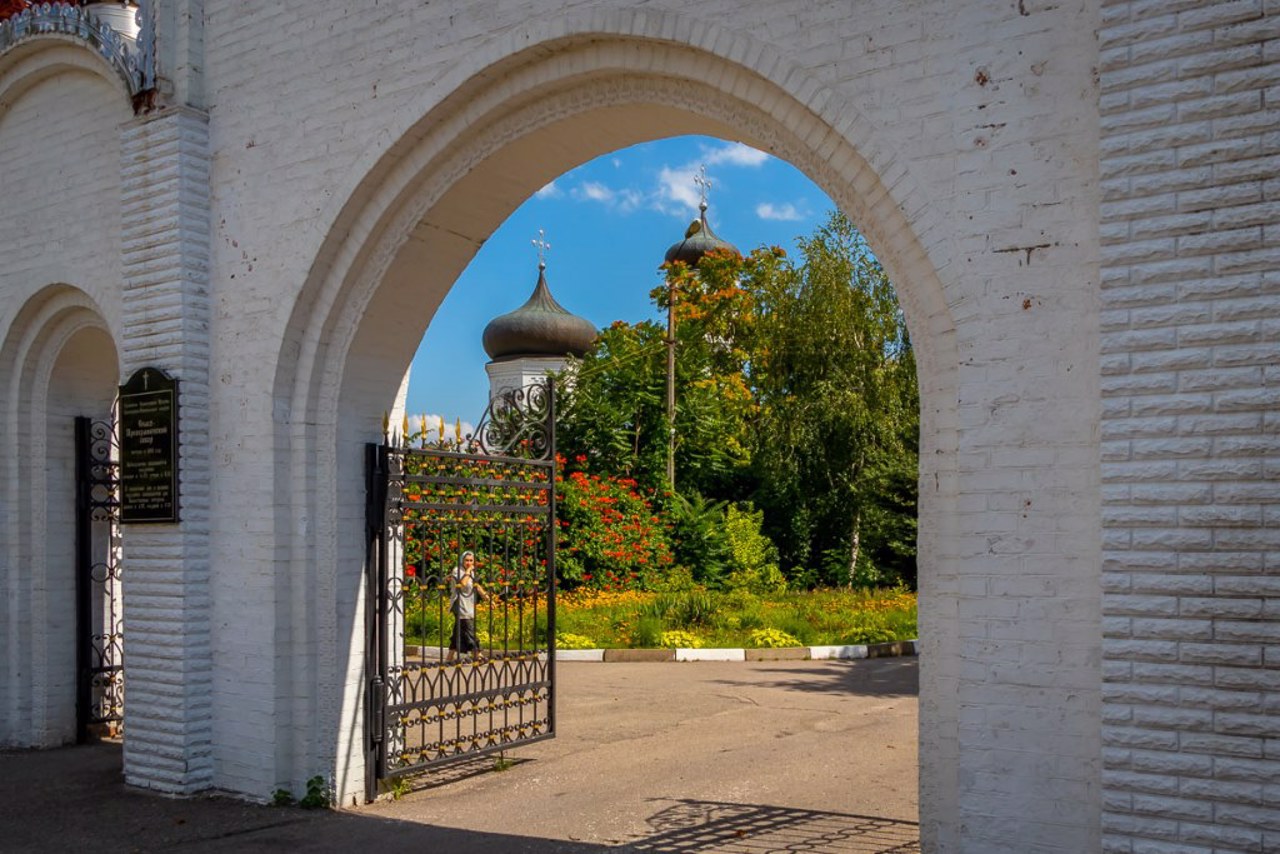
(732, 757)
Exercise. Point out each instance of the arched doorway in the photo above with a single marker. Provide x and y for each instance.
(60, 364)
(425, 210)
(516, 117)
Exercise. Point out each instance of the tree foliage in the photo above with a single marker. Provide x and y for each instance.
(796, 391)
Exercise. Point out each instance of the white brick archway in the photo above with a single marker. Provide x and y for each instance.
(422, 212)
(1076, 201)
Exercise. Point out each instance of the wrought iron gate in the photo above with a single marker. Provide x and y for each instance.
(99, 612)
(443, 689)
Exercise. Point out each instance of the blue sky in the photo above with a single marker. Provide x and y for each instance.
(609, 223)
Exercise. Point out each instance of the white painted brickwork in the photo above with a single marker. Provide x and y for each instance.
(1191, 425)
(288, 220)
(912, 122)
(59, 274)
(165, 176)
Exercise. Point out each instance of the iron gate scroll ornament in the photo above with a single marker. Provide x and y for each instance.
(149, 447)
(493, 494)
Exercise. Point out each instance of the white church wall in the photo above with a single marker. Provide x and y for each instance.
(285, 255)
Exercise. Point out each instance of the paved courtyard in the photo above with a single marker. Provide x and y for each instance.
(742, 758)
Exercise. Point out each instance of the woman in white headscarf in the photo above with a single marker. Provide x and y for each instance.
(464, 592)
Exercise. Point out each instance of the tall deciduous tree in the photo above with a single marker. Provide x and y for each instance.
(838, 412)
(796, 389)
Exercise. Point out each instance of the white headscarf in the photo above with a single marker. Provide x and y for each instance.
(457, 570)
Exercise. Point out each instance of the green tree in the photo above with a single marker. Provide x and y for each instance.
(611, 410)
(796, 390)
(838, 412)
(614, 409)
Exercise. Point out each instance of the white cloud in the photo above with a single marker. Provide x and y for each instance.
(735, 154)
(785, 212)
(629, 200)
(677, 193)
(593, 191)
(549, 191)
(623, 200)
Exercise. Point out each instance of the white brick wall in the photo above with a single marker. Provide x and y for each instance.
(59, 291)
(273, 258)
(340, 169)
(165, 288)
(997, 277)
(1191, 335)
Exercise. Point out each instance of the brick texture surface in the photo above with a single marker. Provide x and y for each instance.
(1076, 201)
(1191, 325)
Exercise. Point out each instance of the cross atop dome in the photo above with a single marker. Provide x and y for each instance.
(542, 246)
(699, 239)
(704, 186)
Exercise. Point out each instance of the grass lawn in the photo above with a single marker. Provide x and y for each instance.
(689, 619)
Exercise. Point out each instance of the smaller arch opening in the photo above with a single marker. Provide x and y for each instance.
(58, 364)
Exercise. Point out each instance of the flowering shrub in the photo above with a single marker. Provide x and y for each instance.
(610, 536)
(772, 639)
(870, 627)
(572, 641)
(677, 639)
(454, 504)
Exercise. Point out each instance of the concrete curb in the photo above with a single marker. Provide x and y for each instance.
(711, 655)
(797, 653)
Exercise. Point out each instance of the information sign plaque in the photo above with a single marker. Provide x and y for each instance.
(148, 417)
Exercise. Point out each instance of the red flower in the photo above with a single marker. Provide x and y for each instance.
(411, 571)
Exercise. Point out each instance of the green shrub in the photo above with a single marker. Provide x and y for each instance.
(741, 600)
(699, 537)
(869, 634)
(752, 555)
(772, 639)
(648, 633)
(870, 628)
(835, 564)
(678, 579)
(683, 610)
(319, 794)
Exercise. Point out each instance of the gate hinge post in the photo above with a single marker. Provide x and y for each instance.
(377, 710)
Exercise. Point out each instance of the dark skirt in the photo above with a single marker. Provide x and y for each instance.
(464, 637)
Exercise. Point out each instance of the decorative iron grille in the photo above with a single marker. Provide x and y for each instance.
(447, 689)
(99, 585)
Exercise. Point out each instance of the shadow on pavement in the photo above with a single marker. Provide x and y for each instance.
(75, 799)
(875, 677)
(705, 826)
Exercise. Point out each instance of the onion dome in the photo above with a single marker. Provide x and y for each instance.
(540, 327)
(699, 239)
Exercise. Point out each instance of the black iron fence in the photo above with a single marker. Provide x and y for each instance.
(462, 575)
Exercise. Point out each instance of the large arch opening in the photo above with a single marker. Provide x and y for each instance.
(418, 219)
